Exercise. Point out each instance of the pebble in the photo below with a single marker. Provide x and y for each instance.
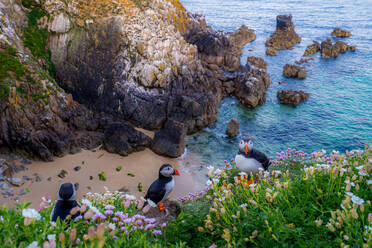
(76, 186)
(77, 168)
(49, 179)
(4, 186)
(26, 162)
(62, 174)
(22, 192)
(37, 178)
(27, 178)
(5, 196)
(16, 181)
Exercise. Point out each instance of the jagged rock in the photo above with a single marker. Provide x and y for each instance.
(251, 84)
(15, 181)
(242, 36)
(170, 140)
(328, 50)
(303, 60)
(284, 36)
(271, 51)
(312, 49)
(294, 71)
(282, 82)
(292, 97)
(123, 139)
(257, 62)
(229, 87)
(337, 32)
(232, 129)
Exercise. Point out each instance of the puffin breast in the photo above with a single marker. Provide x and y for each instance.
(247, 165)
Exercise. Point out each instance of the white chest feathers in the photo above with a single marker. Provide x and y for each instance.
(168, 189)
(248, 165)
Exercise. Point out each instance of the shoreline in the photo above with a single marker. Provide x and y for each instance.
(142, 167)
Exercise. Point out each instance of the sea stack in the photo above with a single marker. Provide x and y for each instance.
(284, 36)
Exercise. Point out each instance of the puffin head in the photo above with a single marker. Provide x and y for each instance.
(246, 145)
(167, 170)
(67, 192)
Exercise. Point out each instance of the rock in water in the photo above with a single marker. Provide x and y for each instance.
(337, 32)
(232, 129)
(284, 36)
(328, 50)
(123, 139)
(271, 51)
(252, 82)
(294, 71)
(312, 49)
(242, 36)
(170, 140)
(292, 97)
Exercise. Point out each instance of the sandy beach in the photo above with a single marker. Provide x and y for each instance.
(141, 167)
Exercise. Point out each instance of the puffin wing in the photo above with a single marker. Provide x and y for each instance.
(156, 192)
(260, 157)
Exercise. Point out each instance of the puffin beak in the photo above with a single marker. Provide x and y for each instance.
(175, 172)
(246, 149)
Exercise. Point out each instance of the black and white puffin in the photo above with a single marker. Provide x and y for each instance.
(161, 187)
(66, 202)
(250, 160)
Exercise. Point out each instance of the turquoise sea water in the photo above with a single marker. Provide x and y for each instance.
(338, 114)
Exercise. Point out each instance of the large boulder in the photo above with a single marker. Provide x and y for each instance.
(294, 71)
(329, 50)
(337, 32)
(170, 140)
(292, 97)
(284, 36)
(232, 129)
(123, 139)
(251, 83)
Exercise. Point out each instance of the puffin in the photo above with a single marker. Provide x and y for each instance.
(250, 160)
(66, 202)
(161, 187)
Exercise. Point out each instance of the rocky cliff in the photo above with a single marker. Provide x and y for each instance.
(145, 62)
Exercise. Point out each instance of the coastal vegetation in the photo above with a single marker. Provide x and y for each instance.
(305, 200)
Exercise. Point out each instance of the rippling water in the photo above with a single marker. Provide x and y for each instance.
(338, 114)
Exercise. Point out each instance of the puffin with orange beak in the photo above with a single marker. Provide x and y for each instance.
(250, 160)
(161, 187)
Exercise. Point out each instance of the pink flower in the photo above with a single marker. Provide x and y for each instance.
(127, 204)
(72, 235)
(156, 232)
(164, 225)
(109, 207)
(109, 212)
(115, 219)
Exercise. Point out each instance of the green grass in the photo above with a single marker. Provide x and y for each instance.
(311, 209)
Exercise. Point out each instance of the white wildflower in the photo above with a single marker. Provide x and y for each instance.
(369, 182)
(215, 180)
(242, 174)
(244, 205)
(51, 237)
(112, 226)
(359, 167)
(355, 199)
(342, 206)
(33, 245)
(362, 173)
(217, 172)
(252, 185)
(130, 197)
(349, 194)
(348, 181)
(31, 213)
(209, 183)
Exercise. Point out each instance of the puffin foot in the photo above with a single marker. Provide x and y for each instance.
(161, 207)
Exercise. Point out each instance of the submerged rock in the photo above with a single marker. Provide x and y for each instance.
(337, 32)
(292, 97)
(329, 50)
(257, 62)
(312, 49)
(294, 71)
(124, 139)
(232, 129)
(284, 36)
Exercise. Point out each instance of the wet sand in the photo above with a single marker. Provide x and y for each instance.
(143, 165)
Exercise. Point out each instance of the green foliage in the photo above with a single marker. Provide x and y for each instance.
(35, 38)
(119, 168)
(102, 176)
(131, 174)
(10, 63)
